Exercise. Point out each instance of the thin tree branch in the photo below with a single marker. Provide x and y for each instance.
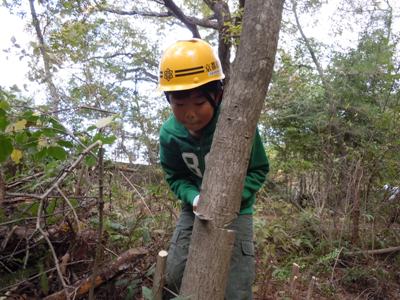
(21, 181)
(78, 226)
(178, 13)
(55, 258)
(223, 15)
(307, 42)
(142, 70)
(46, 59)
(136, 13)
(141, 197)
(207, 23)
(97, 109)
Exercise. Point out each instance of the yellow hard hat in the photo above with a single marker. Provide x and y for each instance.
(188, 64)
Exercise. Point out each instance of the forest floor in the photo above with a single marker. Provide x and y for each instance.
(298, 254)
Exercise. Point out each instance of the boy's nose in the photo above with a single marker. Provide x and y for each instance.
(190, 116)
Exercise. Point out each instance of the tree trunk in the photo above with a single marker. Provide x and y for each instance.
(210, 250)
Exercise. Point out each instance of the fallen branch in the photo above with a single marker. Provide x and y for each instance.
(374, 252)
(83, 286)
(23, 180)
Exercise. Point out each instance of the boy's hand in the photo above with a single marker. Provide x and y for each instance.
(201, 217)
(195, 202)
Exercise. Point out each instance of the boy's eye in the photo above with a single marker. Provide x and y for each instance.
(200, 103)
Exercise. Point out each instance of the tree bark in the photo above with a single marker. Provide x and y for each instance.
(159, 275)
(206, 271)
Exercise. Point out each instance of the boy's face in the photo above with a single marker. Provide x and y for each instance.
(194, 111)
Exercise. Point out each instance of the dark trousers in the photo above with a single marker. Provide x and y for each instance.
(242, 266)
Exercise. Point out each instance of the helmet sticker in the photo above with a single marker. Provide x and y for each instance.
(168, 74)
(211, 67)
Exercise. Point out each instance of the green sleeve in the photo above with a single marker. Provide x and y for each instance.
(177, 174)
(257, 170)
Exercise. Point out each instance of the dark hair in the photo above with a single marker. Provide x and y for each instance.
(212, 87)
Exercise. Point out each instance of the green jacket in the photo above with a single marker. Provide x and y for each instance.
(182, 158)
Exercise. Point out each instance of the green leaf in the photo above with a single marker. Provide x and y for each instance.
(30, 116)
(3, 120)
(4, 105)
(5, 149)
(57, 125)
(90, 161)
(66, 144)
(57, 152)
(21, 137)
(147, 293)
(91, 127)
(44, 281)
(49, 132)
(146, 236)
(132, 289)
(38, 156)
(108, 140)
(115, 226)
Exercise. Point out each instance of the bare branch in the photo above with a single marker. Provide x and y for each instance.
(78, 226)
(207, 23)
(97, 109)
(55, 258)
(137, 13)
(307, 42)
(178, 13)
(46, 59)
(223, 15)
(144, 71)
(140, 195)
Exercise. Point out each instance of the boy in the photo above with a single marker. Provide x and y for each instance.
(190, 76)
